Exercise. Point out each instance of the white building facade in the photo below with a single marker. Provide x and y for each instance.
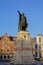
(39, 47)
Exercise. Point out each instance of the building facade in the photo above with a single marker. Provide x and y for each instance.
(6, 47)
(39, 46)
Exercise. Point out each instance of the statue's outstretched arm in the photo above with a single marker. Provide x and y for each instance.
(19, 12)
(19, 16)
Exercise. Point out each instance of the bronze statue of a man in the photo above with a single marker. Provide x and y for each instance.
(22, 25)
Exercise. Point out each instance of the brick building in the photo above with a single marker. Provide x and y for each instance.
(6, 47)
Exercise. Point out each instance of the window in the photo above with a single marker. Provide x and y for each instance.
(8, 57)
(4, 57)
(40, 54)
(35, 46)
(36, 54)
(2, 50)
(7, 50)
(39, 39)
(1, 57)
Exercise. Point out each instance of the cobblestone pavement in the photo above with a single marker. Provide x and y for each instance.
(37, 63)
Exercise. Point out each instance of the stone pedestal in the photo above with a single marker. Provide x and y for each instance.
(23, 54)
(23, 35)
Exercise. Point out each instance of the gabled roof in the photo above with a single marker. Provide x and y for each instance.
(5, 37)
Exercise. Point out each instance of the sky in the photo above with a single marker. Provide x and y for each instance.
(33, 10)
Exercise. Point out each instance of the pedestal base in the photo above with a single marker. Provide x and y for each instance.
(23, 54)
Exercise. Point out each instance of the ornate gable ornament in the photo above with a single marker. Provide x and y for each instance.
(5, 37)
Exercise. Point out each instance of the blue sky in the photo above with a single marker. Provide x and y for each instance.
(33, 10)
